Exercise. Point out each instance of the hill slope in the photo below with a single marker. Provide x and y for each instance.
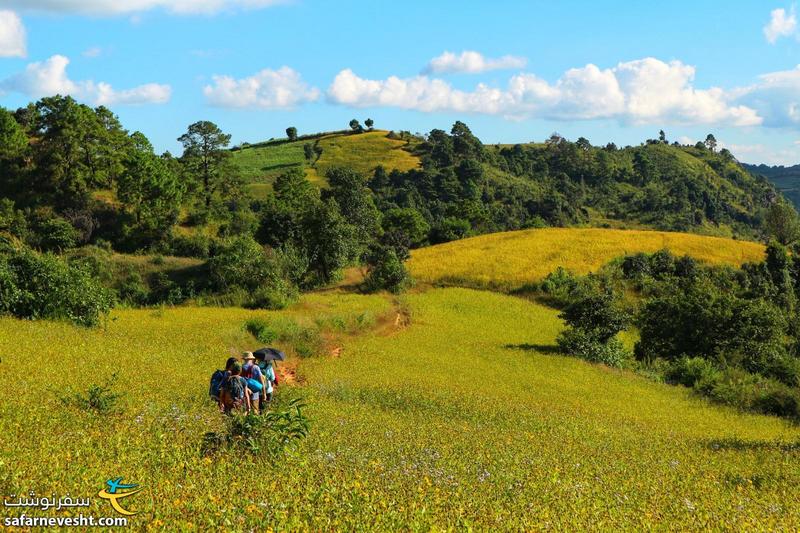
(786, 179)
(461, 420)
(510, 260)
(260, 164)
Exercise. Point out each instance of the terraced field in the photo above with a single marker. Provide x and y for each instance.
(510, 260)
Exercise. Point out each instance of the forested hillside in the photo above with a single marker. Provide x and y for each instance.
(786, 179)
(255, 224)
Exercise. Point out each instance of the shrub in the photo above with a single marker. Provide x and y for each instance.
(278, 295)
(778, 400)
(133, 290)
(261, 330)
(55, 234)
(267, 435)
(100, 399)
(580, 344)
(242, 262)
(43, 286)
(386, 272)
(599, 315)
(693, 372)
(190, 246)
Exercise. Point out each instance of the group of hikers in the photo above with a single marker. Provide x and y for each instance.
(245, 385)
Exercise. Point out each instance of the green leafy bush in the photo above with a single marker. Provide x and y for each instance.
(386, 272)
(579, 343)
(43, 286)
(101, 399)
(261, 330)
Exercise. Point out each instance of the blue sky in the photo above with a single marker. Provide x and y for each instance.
(603, 70)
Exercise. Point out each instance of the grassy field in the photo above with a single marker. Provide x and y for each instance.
(511, 260)
(462, 419)
(260, 165)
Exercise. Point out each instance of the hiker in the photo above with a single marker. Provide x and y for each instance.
(218, 378)
(234, 393)
(255, 381)
(269, 377)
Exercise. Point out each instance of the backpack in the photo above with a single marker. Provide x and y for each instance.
(215, 386)
(234, 386)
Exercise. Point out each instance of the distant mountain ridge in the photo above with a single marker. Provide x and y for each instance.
(786, 179)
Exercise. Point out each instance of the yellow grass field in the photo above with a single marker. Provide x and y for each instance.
(513, 259)
(364, 152)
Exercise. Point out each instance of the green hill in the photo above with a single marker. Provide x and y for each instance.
(786, 179)
(260, 164)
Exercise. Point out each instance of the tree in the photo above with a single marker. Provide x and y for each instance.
(662, 137)
(782, 223)
(291, 133)
(355, 125)
(12, 137)
(330, 242)
(385, 271)
(150, 190)
(408, 221)
(711, 142)
(599, 315)
(369, 123)
(205, 156)
(308, 151)
(356, 203)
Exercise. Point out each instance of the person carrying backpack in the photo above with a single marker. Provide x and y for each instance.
(234, 393)
(255, 380)
(218, 378)
(269, 379)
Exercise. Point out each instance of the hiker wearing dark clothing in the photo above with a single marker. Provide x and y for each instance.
(268, 378)
(218, 378)
(234, 393)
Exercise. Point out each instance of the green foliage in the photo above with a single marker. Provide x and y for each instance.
(782, 222)
(583, 344)
(242, 262)
(598, 316)
(408, 221)
(261, 330)
(100, 399)
(386, 272)
(330, 242)
(268, 435)
(43, 286)
(207, 161)
(291, 133)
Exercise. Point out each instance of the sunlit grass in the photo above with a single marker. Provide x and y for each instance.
(463, 419)
(513, 259)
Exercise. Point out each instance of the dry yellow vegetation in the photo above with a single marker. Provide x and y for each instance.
(512, 259)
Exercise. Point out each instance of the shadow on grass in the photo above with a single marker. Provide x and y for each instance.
(550, 349)
(741, 445)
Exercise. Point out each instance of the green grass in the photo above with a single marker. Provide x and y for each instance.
(260, 165)
(463, 419)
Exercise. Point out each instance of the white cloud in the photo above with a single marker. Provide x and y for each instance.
(781, 24)
(94, 51)
(125, 7)
(643, 91)
(776, 98)
(12, 35)
(268, 89)
(471, 62)
(48, 78)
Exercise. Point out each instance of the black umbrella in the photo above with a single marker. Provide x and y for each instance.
(269, 354)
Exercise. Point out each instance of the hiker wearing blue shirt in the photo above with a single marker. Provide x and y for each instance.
(269, 379)
(255, 380)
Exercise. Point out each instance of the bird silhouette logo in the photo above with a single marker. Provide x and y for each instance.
(117, 491)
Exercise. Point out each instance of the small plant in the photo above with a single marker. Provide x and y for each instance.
(268, 435)
(101, 399)
(261, 330)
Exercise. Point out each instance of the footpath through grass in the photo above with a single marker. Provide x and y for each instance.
(462, 419)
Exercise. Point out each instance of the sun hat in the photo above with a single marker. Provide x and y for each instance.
(248, 356)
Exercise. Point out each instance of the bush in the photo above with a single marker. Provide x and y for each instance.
(190, 246)
(43, 286)
(267, 435)
(693, 372)
(386, 272)
(98, 398)
(778, 400)
(261, 330)
(242, 262)
(580, 344)
(278, 295)
(133, 290)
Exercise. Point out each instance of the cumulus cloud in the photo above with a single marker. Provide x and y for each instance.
(776, 97)
(125, 7)
(781, 24)
(12, 35)
(471, 62)
(48, 78)
(641, 92)
(268, 89)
